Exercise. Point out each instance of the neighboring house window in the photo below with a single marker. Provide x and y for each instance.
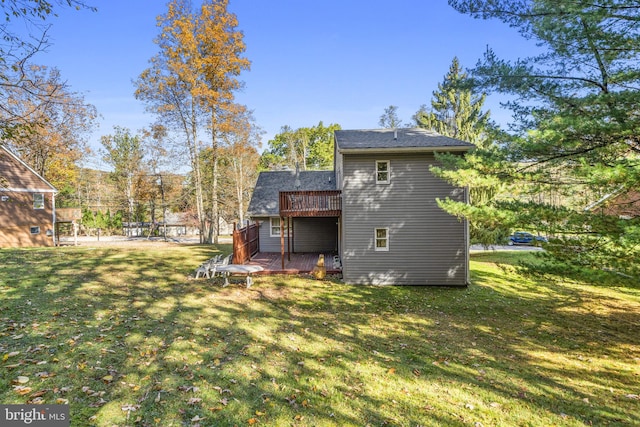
(382, 239)
(5, 198)
(35, 230)
(275, 227)
(38, 201)
(382, 171)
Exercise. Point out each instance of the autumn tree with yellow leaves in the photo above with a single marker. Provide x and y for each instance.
(190, 86)
(49, 133)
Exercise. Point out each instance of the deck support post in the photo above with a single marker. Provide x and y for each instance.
(282, 241)
(289, 238)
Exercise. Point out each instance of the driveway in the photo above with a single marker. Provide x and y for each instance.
(505, 248)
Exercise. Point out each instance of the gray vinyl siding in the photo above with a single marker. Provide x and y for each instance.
(310, 234)
(267, 243)
(426, 245)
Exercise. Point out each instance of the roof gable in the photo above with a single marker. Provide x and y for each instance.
(265, 198)
(16, 175)
(401, 139)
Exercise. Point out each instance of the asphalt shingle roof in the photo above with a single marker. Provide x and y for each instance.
(264, 201)
(406, 139)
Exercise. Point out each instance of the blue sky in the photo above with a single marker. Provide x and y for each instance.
(336, 61)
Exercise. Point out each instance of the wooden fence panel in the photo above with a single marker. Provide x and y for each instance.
(246, 243)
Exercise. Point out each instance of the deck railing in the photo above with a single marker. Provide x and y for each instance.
(310, 203)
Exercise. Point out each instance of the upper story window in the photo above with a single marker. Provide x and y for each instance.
(275, 227)
(38, 201)
(382, 172)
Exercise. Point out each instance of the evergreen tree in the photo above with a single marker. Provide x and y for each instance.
(575, 137)
(456, 111)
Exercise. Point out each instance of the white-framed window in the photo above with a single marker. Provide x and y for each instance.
(4, 198)
(381, 236)
(38, 201)
(35, 229)
(274, 227)
(383, 172)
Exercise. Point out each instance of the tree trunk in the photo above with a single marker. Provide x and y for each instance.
(213, 237)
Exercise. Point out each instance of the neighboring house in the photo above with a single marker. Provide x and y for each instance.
(181, 224)
(27, 204)
(377, 210)
(625, 204)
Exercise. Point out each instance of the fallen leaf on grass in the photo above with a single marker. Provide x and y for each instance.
(22, 390)
(194, 401)
(13, 366)
(391, 371)
(21, 380)
(252, 421)
(8, 355)
(44, 374)
(100, 403)
(39, 393)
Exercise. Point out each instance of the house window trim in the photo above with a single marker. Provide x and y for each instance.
(38, 205)
(388, 172)
(271, 227)
(34, 229)
(376, 238)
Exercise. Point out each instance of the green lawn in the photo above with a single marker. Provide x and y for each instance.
(127, 337)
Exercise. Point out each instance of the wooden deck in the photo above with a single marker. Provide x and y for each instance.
(300, 263)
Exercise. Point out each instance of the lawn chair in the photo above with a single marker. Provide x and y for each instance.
(207, 269)
(217, 263)
(203, 271)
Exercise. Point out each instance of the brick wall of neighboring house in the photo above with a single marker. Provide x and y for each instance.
(26, 204)
(625, 205)
(21, 225)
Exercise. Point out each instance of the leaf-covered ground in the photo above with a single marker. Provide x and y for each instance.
(126, 337)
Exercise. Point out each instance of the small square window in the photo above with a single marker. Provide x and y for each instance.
(35, 230)
(4, 198)
(275, 227)
(38, 201)
(382, 172)
(382, 239)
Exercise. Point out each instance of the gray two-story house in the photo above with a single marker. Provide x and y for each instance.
(377, 210)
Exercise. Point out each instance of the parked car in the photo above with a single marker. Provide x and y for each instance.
(524, 238)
